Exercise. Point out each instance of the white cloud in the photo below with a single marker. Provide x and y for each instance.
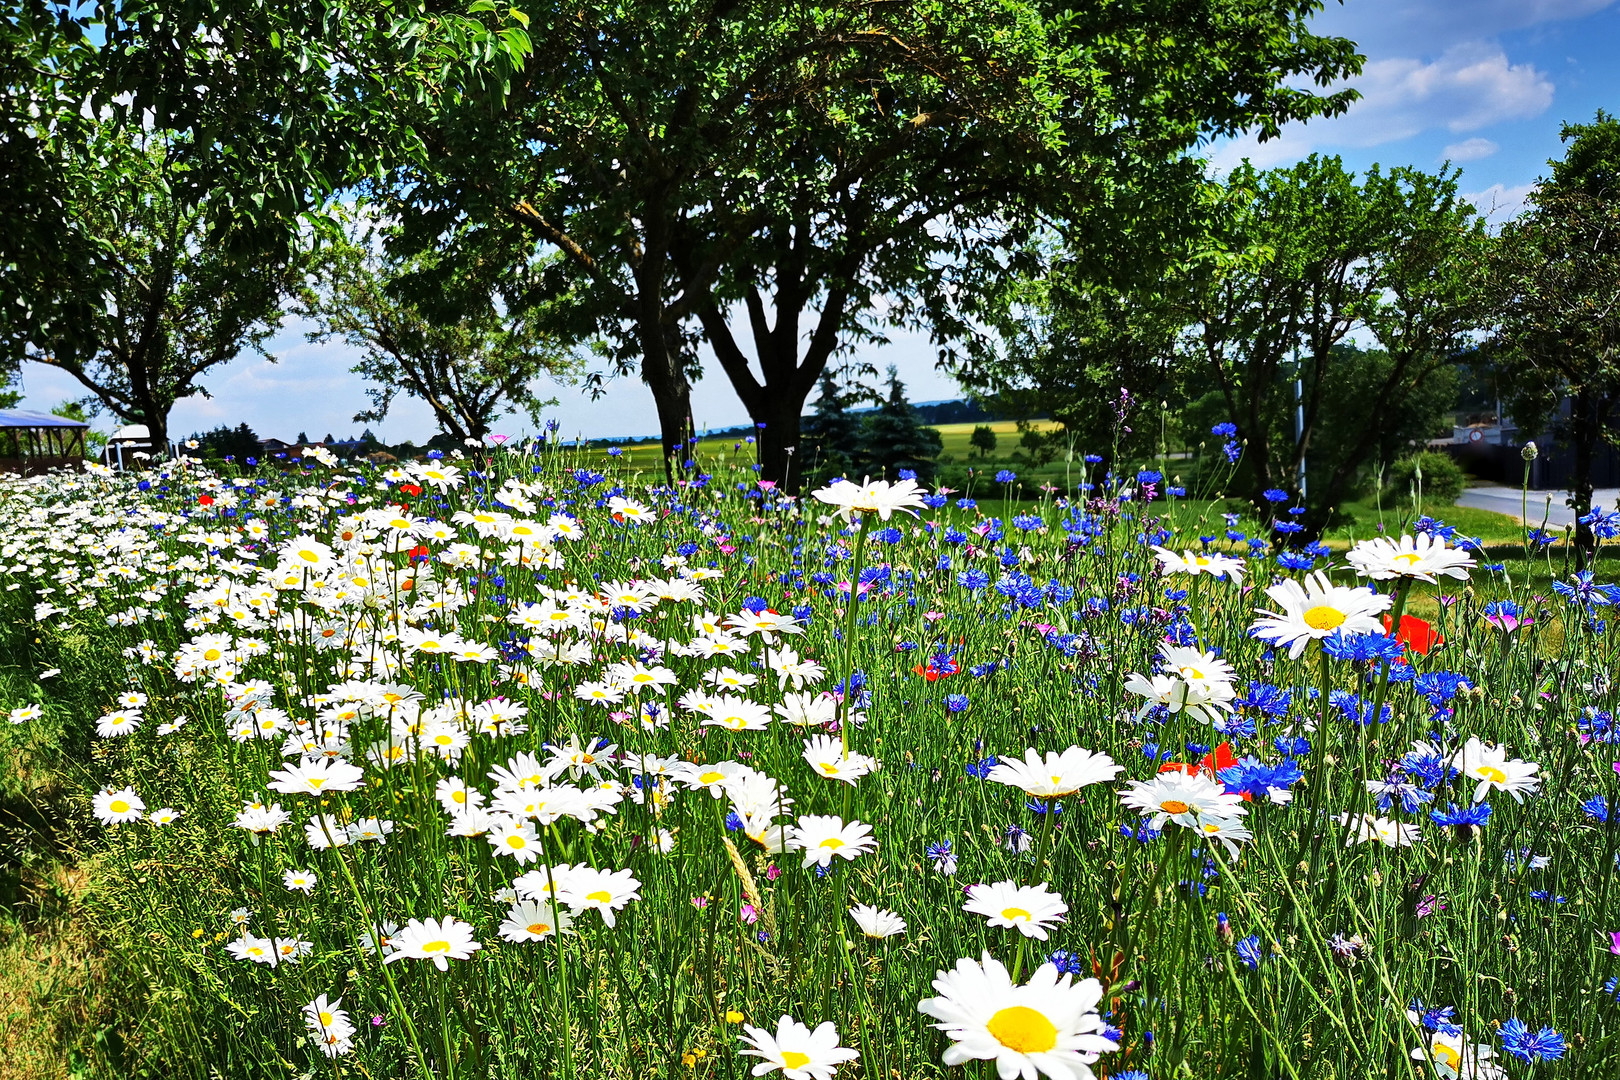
(1429, 27)
(1469, 87)
(1499, 202)
(1475, 149)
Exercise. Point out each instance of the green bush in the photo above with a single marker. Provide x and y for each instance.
(1442, 478)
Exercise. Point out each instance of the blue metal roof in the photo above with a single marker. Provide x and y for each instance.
(11, 418)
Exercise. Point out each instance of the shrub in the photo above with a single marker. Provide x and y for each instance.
(1442, 479)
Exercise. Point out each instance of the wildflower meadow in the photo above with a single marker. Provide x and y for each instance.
(515, 762)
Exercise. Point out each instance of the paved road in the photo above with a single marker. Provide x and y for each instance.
(1548, 504)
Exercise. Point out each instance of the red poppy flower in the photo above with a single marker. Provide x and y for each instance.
(1212, 765)
(419, 553)
(1415, 634)
(205, 500)
(934, 670)
(413, 490)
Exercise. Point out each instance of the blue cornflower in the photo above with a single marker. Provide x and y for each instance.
(955, 703)
(1292, 745)
(1596, 808)
(1361, 648)
(1430, 527)
(1249, 951)
(1274, 495)
(1543, 1045)
(973, 579)
(1006, 476)
(982, 769)
(1224, 430)
(1427, 769)
(1604, 526)
(1440, 687)
(1291, 560)
(1067, 963)
(1442, 1020)
(1266, 699)
(1139, 831)
(1475, 814)
(1583, 590)
(943, 858)
(1255, 778)
(1393, 787)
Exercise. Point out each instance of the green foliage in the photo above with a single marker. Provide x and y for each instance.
(171, 305)
(1317, 252)
(1554, 278)
(983, 439)
(466, 357)
(225, 441)
(909, 148)
(831, 433)
(893, 440)
(1436, 477)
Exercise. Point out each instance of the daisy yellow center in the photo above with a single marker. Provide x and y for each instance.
(326, 1019)
(1191, 673)
(1323, 617)
(711, 777)
(832, 842)
(516, 842)
(1211, 827)
(1447, 1056)
(539, 928)
(795, 1060)
(119, 806)
(1410, 558)
(211, 655)
(458, 796)
(829, 768)
(316, 781)
(1199, 560)
(436, 946)
(1023, 1029)
(1174, 806)
(309, 556)
(1014, 913)
(601, 896)
(1493, 774)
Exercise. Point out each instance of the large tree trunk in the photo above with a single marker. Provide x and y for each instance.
(780, 457)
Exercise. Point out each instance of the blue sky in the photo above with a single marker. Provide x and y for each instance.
(1483, 83)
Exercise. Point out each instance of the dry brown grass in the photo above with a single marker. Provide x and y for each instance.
(50, 982)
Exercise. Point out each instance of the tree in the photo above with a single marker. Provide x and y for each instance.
(170, 305)
(224, 441)
(983, 439)
(471, 368)
(1555, 291)
(1311, 254)
(694, 161)
(1077, 352)
(893, 441)
(831, 433)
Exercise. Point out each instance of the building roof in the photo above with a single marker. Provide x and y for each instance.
(131, 433)
(12, 418)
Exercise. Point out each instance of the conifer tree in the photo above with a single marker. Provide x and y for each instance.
(830, 434)
(894, 440)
